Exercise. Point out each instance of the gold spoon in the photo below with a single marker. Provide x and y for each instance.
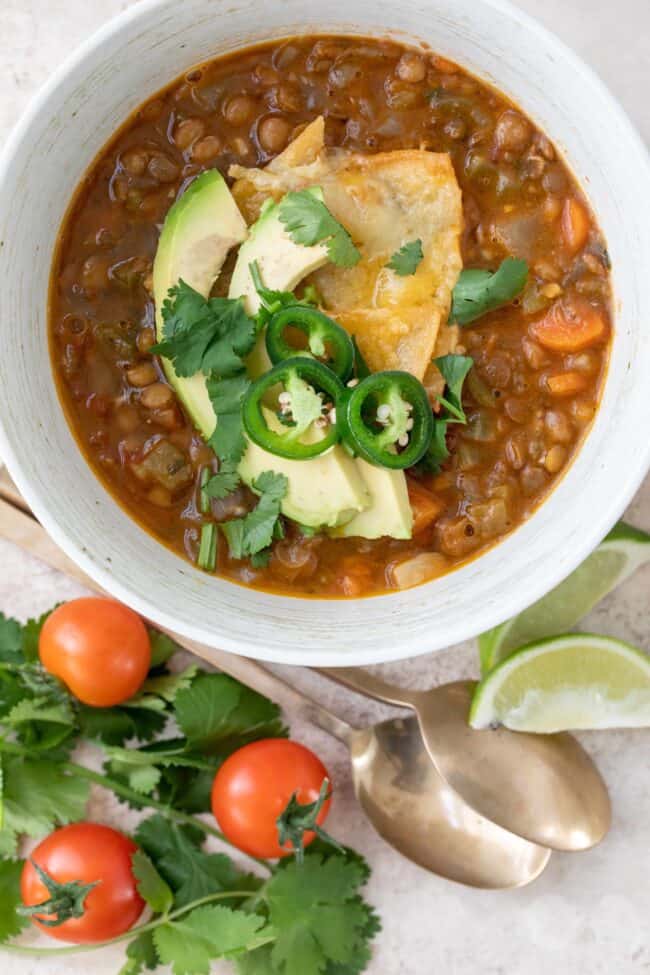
(397, 785)
(542, 787)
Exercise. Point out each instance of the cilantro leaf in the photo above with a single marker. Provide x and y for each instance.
(140, 955)
(309, 222)
(478, 291)
(252, 534)
(31, 633)
(202, 335)
(115, 725)
(226, 395)
(11, 640)
(151, 886)
(219, 715)
(223, 483)
(36, 797)
(162, 647)
(405, 261)
(318, 916)
(437, 451)
(11, 923)
(454, 369)
(192, 942)
(40, 722)
(190, 872)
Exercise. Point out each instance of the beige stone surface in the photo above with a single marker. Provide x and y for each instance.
(588, 913)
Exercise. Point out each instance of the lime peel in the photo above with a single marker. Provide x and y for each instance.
(621, 553)
(575, 682)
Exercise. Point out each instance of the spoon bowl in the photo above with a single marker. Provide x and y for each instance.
(544, 788)
(415, 810)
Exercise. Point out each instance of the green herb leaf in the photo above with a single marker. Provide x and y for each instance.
(255, 532)
(37, 796)
(11, 923)
(309, 222)
(437, 452)
(140, 955)
(151, 886)
(226, 395)
(224, 483)
(162, 647)
(219, 715)
(190, 944)
(31, 633)
(405, 261)
(113, 726)
(207, 336)
(318, 916)
(478, 291)
(11, 640)
(454, 369)
(190, 872)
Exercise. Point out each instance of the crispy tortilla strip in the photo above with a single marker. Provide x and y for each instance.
(384, 201)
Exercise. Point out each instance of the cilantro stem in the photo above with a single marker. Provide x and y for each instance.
(81, 772)
(132, 932)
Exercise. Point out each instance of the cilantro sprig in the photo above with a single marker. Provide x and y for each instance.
(406, 260)
(204, 335)
(454, 370)
(304, 918)
(252, 535)
(478, 291)
(309, 222)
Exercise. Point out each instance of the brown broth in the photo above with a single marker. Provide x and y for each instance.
(519, 198)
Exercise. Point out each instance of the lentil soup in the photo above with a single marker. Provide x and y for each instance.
(538, 360)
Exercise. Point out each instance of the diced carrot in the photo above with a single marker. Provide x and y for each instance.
(566, 383)
(425, 505)
(569, 325)
(575, 225)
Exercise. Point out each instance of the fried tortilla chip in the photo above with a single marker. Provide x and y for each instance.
(384, 201)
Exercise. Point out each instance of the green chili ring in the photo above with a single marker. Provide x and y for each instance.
(407, 403)
(321, 332)
(286, 444)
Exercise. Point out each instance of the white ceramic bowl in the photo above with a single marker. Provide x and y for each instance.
(85, 101)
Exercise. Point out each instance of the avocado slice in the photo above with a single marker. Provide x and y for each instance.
(389, 512)
(325, 491)
(282, 264)
(199, 230)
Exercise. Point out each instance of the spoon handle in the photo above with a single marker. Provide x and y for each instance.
(366, 683)
(23, 530)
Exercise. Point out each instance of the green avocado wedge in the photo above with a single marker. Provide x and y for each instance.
(199, 230)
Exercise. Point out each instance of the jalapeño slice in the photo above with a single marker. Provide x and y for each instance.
(307, 398)
(326, 339)
(387, 419)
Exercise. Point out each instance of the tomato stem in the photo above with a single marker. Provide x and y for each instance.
(81, 772)
(132, 932)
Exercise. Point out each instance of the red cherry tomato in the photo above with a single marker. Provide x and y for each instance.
(87, 852)
(253, 787)
(99, 648)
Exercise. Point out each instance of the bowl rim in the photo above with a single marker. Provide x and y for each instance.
(460, 630)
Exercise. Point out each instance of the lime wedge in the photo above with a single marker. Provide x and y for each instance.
(566, 682)
(615, 559)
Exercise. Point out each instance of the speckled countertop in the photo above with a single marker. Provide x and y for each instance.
(588, 913)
